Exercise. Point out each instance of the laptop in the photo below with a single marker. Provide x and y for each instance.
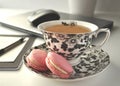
(20, 23)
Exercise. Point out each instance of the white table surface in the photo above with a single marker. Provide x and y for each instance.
(109, 77)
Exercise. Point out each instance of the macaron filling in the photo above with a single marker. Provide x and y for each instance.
(58, 68)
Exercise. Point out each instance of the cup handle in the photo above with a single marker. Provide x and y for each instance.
(107, 31)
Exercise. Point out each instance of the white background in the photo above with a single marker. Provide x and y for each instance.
(59, 5)
(109, 77)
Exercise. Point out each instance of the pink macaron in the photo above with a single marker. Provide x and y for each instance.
(36, 60)
(58, 65)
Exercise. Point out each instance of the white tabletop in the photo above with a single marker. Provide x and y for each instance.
(109, 77)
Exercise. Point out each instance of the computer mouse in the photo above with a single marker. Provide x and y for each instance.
(41, 16)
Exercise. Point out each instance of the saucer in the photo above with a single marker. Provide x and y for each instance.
(90, 63)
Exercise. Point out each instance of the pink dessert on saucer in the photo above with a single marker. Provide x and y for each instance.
(58, 65)
(36, 60)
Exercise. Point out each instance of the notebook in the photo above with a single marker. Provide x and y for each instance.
(12, 60)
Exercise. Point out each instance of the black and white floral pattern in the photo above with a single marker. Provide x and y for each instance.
(67, 45)
(90, 63)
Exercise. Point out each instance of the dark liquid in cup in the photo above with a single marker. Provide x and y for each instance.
(68, 29)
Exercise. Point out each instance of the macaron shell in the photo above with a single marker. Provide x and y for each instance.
(33, 66)
(60, 62)
(39, 56)
(36, 59)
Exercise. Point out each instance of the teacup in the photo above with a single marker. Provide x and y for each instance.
(71, 44)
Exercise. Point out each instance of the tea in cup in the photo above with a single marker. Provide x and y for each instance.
(70, 38)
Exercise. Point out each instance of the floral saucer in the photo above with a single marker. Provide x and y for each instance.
(90, 63)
